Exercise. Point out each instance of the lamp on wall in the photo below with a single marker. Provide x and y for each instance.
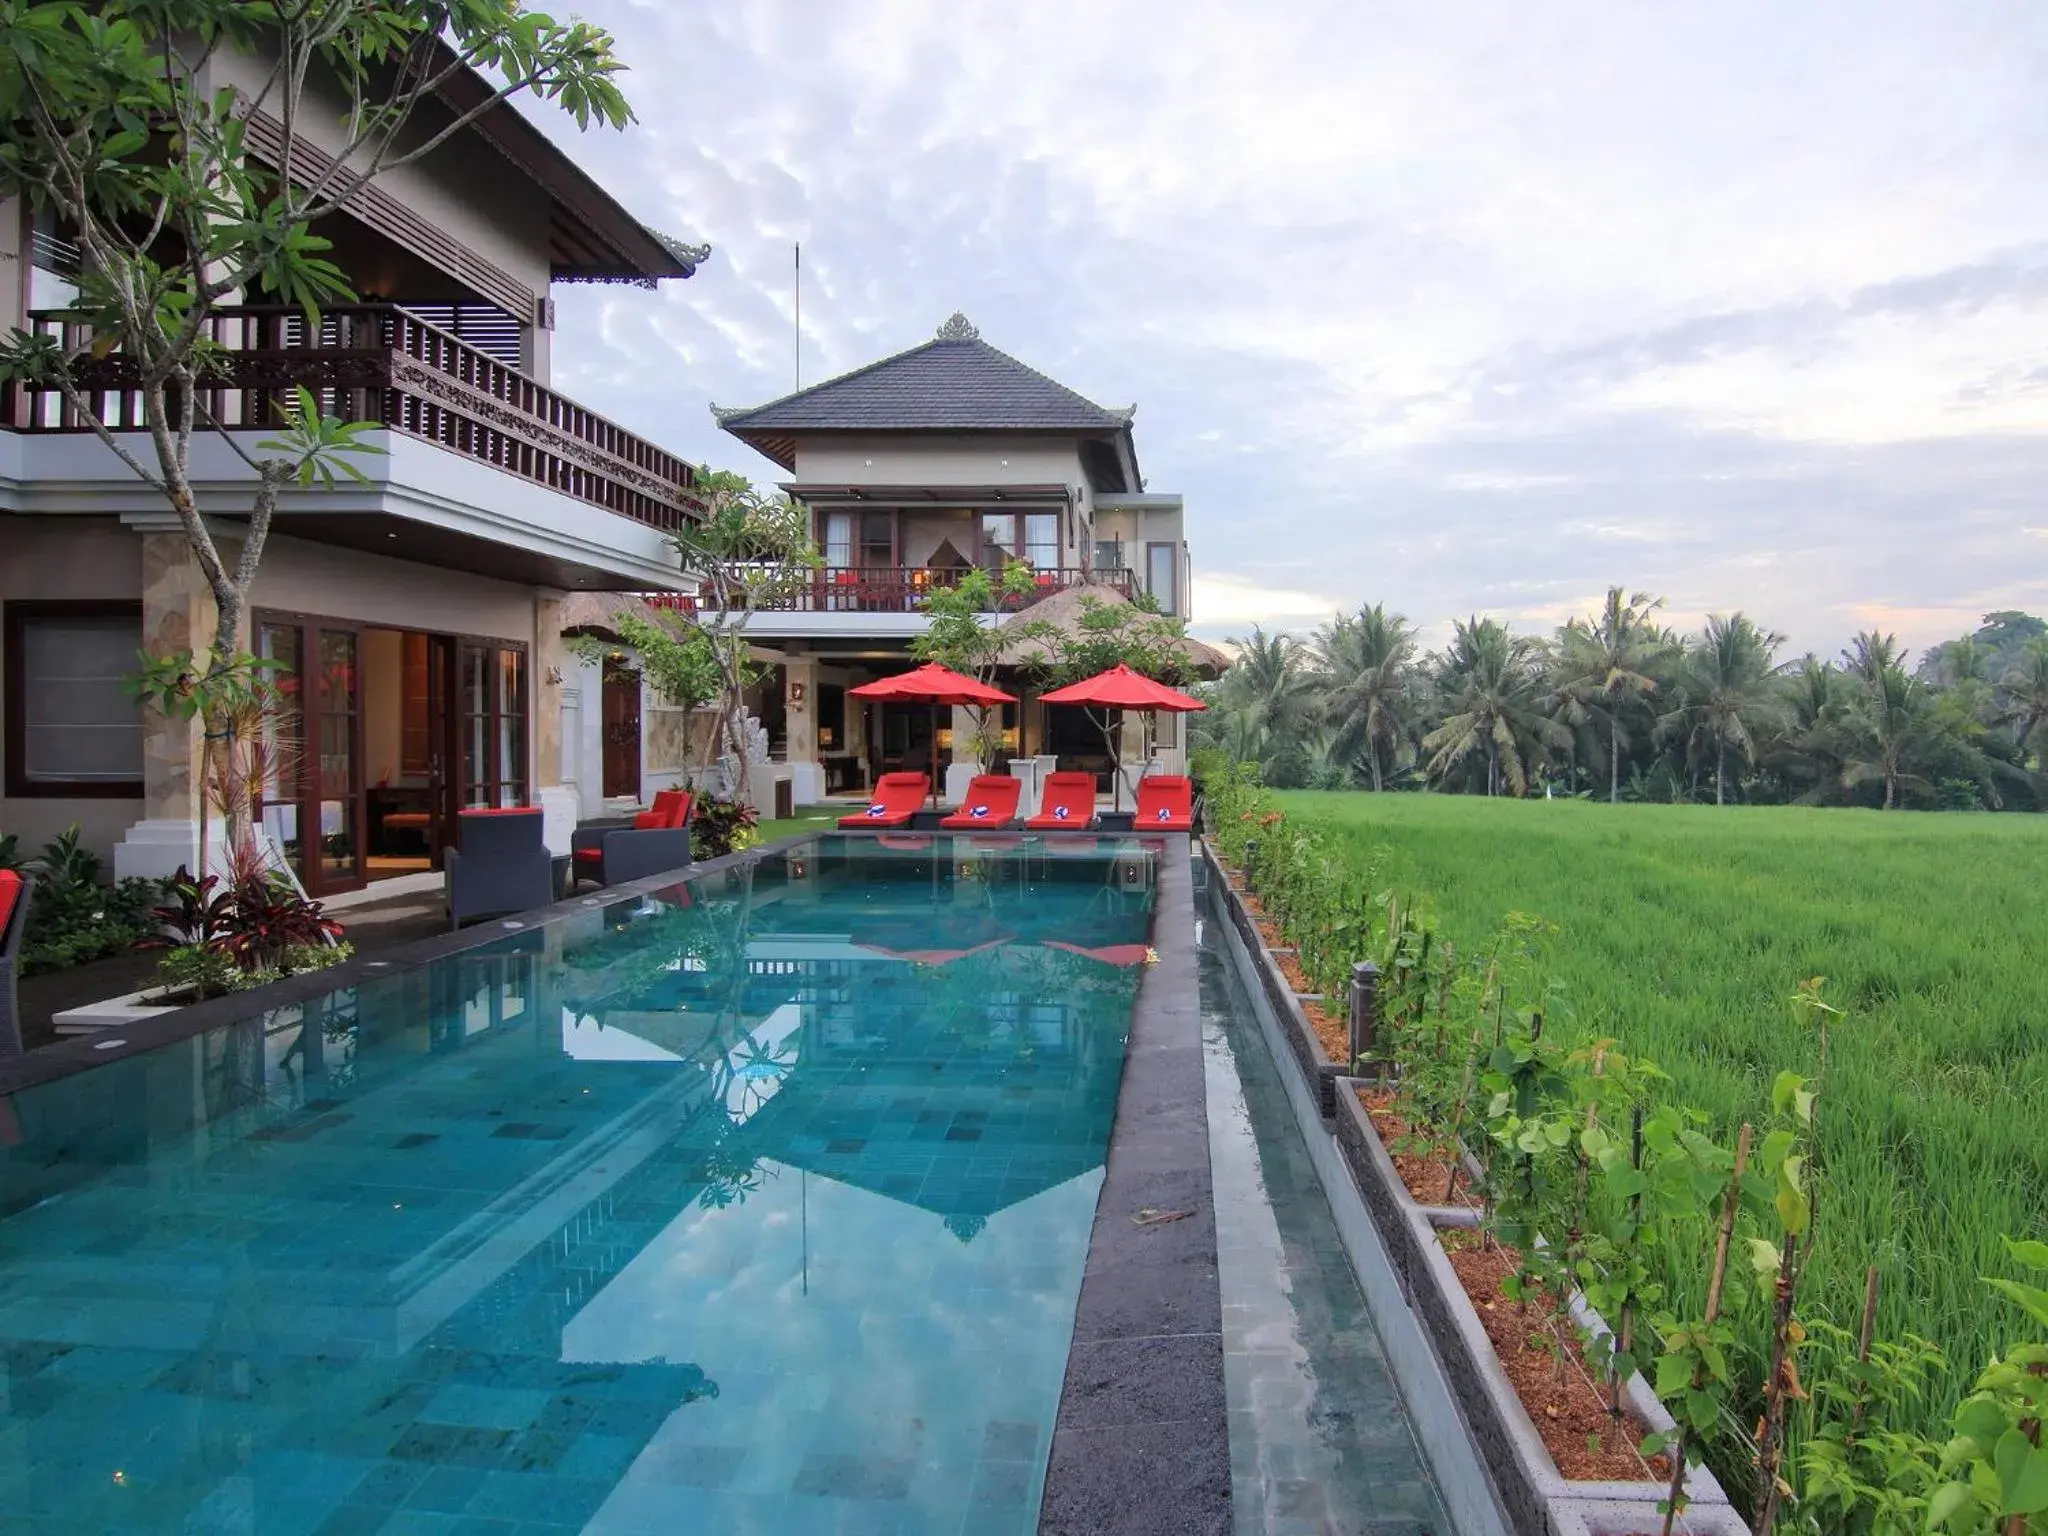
(796, 693)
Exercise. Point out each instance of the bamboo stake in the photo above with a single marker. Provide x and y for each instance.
(1863, 1346)
(1770, 1443)
(1728, 1206)
(1458, 1120)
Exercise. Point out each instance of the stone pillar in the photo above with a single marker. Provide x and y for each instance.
(961, 763)
(800, 728)
(1130, 741)
(177, 615)
(548, 679)
(536, 342)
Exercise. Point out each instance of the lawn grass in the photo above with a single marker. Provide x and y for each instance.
(1684, 930)
(808, 818)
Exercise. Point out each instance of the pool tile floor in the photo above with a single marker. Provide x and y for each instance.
(1319, 1442)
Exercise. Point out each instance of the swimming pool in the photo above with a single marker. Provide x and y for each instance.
(761, 1204)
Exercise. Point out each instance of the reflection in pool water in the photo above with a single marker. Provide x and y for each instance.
(761, 1206)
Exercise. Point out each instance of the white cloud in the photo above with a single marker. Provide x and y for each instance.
(1230, 603)
(1439, 301)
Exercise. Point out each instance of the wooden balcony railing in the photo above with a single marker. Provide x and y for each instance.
(857, 589)
(379, 363)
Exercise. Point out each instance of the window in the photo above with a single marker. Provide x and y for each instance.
(1033, 537)
(72, 730)
(878, 540)
(1042, 540)
(839, 539)
(1162, 568)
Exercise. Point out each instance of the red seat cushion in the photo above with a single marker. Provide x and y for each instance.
(648, 821)
(590, 855)
(10, 894)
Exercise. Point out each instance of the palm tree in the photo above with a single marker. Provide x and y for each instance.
(1492, 688)
(1270, 681)
(1890, 725)
(2023, 698)
(1870, 655)
(1809, 744)
(1606, 662)
(1367, 664)
(1731, 684)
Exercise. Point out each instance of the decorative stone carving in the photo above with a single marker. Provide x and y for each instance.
(958, 328)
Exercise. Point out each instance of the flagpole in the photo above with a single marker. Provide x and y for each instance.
(797, 341)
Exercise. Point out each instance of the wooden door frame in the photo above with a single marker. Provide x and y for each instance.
(450, 799)
(312, 873)
(607, 671)
(459, 783)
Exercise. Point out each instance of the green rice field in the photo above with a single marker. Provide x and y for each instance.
(1684, 930)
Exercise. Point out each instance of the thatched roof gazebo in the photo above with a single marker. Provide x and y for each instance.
(1063, 610)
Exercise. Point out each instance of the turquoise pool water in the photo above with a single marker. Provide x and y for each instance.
(760, 1206)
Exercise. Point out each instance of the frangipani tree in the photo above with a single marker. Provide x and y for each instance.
(108, 121)
(965, 636)
(751, 551)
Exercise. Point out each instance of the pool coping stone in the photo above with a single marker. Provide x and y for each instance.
(1142, 1441)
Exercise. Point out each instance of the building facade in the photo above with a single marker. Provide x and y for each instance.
(418, 616)
(929, 463)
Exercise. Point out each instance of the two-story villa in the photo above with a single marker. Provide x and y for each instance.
(420, 614)
(945, 457)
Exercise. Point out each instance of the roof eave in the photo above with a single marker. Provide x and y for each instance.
(642, 254)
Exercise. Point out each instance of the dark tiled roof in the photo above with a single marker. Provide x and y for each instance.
(955, 381)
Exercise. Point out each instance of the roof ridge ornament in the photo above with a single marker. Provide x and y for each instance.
(958, 328)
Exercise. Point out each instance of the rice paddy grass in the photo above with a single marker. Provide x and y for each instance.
(1683, 931)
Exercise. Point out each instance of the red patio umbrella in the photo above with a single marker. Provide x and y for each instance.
(934, 685)
(1121, 688)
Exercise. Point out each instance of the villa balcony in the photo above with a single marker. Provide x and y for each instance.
(855, 589)
(382, 364)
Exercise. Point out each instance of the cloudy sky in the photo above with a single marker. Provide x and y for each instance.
(1471, 308)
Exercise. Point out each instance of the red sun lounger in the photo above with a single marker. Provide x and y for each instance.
(991, 802)
(1166, 803)
(1068, 804)
(897, 798)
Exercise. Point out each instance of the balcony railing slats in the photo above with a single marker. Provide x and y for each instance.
(382, 364)
(862, 589)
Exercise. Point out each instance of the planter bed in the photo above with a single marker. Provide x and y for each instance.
(1536, 1498)
(1424, 1167)
(117, 1012)
(1304, 1042)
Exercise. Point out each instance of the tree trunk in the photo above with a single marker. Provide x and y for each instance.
(1891, 788)
(1720, 770)
(1372, 752)
(1613, 764)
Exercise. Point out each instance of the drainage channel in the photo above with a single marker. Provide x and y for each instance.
(1321, 1441)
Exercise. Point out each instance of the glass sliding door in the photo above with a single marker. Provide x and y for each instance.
(336, 738)
(491, 725)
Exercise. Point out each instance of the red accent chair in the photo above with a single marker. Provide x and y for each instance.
(1068, 804)
(14, 898)
(897, 798)
(655, 842)
(1166, 803)
(499, 864)
(991, 802)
